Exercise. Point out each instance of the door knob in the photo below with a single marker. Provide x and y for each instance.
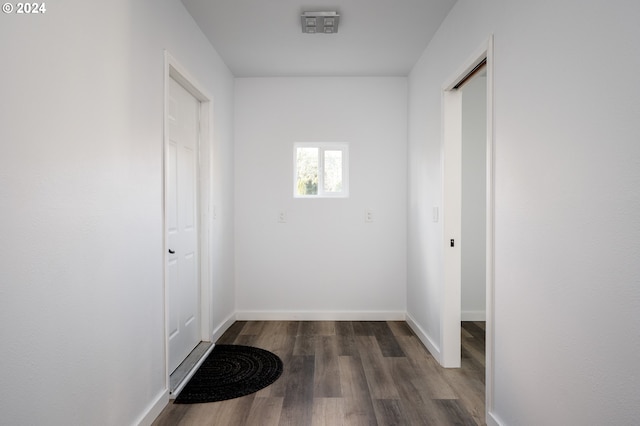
(171, 251)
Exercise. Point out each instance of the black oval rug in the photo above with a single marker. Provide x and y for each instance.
(231, 371)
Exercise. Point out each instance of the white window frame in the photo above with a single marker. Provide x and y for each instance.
(322, 147)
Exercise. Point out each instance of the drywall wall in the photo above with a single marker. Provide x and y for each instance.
(474, 190)
(567, 233)
(81, 294)
(325, 261)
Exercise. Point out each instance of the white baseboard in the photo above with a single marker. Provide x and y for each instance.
(320, 315)
(154, 409)
(473, 315)
(424, 338)
(492, 420)
(219, 331)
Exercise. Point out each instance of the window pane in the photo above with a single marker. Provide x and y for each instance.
(332, 171)
(307, 171)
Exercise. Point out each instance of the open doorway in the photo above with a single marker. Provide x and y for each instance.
(473, 223)
(473, 204)
(468, 207)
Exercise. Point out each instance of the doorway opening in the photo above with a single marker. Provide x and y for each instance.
(187, 182)
(468, 207)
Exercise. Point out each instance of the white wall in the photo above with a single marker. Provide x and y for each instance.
(325, 262)
(567, 173)
(474, 190)
(81, 294)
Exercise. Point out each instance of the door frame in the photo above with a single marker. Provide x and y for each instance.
(452, 225)
(174, 70)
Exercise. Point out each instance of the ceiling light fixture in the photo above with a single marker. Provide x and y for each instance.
(320, 22)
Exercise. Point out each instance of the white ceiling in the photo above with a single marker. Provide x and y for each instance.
(259, 38)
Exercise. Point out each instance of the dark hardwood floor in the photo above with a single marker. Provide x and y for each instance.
(349, 373)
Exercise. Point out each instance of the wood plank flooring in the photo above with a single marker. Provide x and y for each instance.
(349, 373)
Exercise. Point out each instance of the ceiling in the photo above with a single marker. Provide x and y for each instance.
(262, 38)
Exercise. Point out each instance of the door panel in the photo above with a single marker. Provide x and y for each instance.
(182, 229)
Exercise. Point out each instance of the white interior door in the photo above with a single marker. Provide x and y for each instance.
(182, 223)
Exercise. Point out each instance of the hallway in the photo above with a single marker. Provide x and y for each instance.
(349, 373)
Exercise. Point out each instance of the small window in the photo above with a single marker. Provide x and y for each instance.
(320, 170)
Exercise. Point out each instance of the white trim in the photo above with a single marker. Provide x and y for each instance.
(174, 70)
(427, 341)
(219, 331)
(320, 315)
(154, 409)
(474, 60)
(493, 420)
(490, 235)
(473, 316)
